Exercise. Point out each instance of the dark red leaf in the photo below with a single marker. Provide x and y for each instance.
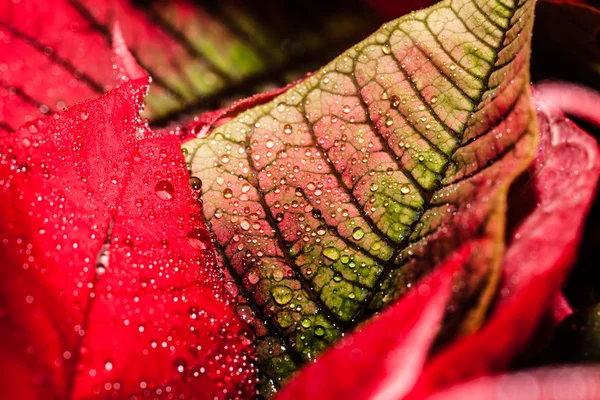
(108, 284)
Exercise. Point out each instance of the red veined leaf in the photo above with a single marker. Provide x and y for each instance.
(557, 383)
(58, 52)
(396, 344)
(108, 285)
(329, 201)
(541, 249)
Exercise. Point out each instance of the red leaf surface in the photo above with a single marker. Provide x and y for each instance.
(108, 285)
(384, 359)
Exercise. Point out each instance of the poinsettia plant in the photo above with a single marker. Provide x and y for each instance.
(397, 224)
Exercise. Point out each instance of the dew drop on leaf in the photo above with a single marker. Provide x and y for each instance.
(358, 233)
(245, 225)
(331, 253)
(287, 129)
(404, 188)
(245, 313)
(281, 294)
(253, 277)
(164, 190)
(196, 183)
(319, 330)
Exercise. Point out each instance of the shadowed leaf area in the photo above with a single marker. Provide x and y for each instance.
(331, 200)
(201, 55)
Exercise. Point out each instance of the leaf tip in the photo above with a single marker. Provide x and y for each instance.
(126, 65)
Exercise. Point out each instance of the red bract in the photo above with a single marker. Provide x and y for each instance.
(108, 281)
(559, 186)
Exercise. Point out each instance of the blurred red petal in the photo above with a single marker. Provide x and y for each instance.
(559, 383)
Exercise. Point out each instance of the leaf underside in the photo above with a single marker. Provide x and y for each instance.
(328, 202)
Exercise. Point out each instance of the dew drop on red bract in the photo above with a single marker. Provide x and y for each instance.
(165, 190)
(199, 238)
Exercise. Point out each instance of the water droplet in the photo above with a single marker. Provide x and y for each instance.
(287, 129)
(278, 275)
(331, 253)
(434, 100)
(404, 188)
(281, 294)
(245, 313)
(180, 364)
(225, 158)
(386, 49)
(164, 190)
(306, 323)
(231, 287)
(346, 108)
(199, 238)
(284, 320)
(374, 186)
(108, 365)
(253, 277)
(245, 225)
(389, 122)
(319, 330)
(395, 101)
(196, 183)
(358, 233)
(227, 193)
(270, 144)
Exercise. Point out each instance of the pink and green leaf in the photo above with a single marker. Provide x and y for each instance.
(331, 200)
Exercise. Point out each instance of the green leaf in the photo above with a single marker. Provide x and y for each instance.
(328, 202)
